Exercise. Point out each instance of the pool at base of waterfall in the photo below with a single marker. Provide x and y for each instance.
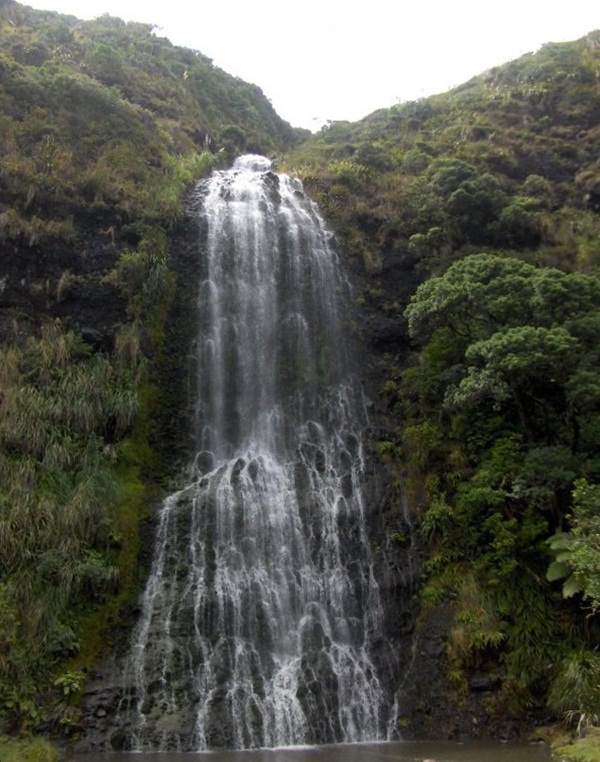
(409, 751)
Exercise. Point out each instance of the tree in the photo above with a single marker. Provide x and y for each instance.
(508, 372)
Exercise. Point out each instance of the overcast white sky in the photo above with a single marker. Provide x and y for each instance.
(319, 60)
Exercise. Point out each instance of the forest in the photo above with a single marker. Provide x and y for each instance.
(485, 199)
(470, 223)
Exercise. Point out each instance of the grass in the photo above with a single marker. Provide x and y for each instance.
(585, 749)
(27, 750)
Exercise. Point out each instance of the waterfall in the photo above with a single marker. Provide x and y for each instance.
(261, 610)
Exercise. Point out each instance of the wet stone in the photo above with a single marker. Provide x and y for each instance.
(238, 467)
(346, 485)
(205, 462)
(320, 461)
(253, 470)
(253, 612)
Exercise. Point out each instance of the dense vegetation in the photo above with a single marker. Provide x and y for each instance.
(503, 404)
(489, 196)
(103, 126)
(105, 118)
(508, 161)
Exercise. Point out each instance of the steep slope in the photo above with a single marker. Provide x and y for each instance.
(398, 169)
(103, 128)
(488, 196)
(101, 115)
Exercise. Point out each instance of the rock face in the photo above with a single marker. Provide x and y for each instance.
(394, 562)
(60, 281)
(76, 283)
(380, 301)
(37, 283)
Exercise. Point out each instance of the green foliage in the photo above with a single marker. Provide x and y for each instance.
(584, 748)
(70, 683)
(506, 379)
(524, 347)
(497, 415)
(577, 552)
(27, 750)
(144, 275)
(477, 626)
(575, 691)
(494, 163)
(233, 138)
(62, 409)
(104, 120)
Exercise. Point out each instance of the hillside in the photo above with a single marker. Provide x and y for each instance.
(471, 222)
(479, 208)
(100, 115)
(104, 127)
(520, 142)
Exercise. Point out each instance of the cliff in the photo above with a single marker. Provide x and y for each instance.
(439, 204)
(105, 128)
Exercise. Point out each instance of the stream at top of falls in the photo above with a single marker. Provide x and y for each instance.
(261, 619)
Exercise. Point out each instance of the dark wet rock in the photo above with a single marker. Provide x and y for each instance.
(205, 462)
(413, 658)
(481, 682)
(237, 469)
(96, 338)
(253, 470)
(320, 461)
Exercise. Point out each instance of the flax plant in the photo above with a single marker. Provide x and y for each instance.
(63, 407)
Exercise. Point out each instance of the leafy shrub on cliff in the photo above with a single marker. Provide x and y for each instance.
(509, 374)
(63, 411)
(498, 411)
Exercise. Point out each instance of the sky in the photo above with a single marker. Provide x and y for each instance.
(331, 60)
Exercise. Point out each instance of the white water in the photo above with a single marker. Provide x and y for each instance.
(261, 608)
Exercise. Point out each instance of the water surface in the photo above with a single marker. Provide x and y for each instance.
(409, 751)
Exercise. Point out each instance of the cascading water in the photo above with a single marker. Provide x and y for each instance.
(261, 608)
